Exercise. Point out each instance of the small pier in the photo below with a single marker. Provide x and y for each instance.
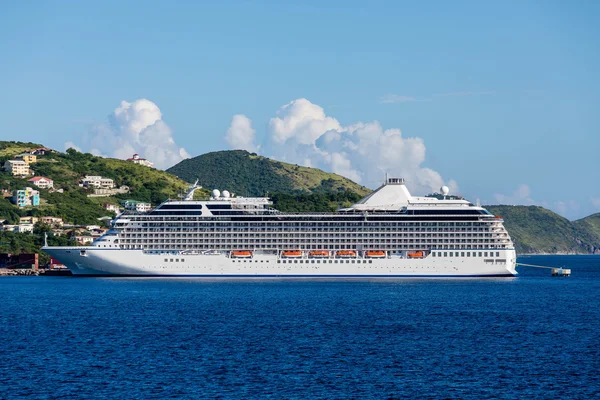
(555, 271)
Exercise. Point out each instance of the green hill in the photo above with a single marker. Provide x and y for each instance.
(590, 224)
(538, 230)
(66, 170)
(248, 174)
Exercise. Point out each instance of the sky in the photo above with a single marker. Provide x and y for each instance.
(497, 100)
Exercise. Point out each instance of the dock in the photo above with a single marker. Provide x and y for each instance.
(555, 271)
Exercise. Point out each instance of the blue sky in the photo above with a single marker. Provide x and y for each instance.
(504, 96)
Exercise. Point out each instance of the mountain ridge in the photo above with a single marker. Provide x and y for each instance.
(248, 174)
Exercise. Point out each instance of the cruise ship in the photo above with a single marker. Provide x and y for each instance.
(387, 234)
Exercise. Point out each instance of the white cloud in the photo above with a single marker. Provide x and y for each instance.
(302, 121)
(395, 98)
(462, 94)
(71, 145)
(135, 127)
(521, 196)
(302, 133)
(240, 134)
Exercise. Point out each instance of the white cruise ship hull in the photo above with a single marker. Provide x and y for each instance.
(94, 261)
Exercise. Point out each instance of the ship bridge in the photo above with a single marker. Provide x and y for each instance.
(393, 195)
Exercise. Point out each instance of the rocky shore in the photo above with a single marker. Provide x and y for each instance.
(34, 272)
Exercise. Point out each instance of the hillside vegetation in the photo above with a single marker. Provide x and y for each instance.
(248, 174)
(538, 230)
(66, 170)
(590, 224)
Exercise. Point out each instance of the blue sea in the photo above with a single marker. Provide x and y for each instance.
(534, 336)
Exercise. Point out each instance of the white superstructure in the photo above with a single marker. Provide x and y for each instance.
(389, 233)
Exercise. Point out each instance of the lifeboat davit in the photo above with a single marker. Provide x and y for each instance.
(346, 253)
(319, 253)
(291, 253)
(375, 254)
(415, 254)
(241, 254)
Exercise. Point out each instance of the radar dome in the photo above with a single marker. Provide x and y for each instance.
(216, 194)
(445, 190)
(226, 194)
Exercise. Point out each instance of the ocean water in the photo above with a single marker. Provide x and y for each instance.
(533, 336)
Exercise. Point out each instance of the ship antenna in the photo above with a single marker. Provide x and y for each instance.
(193, 188)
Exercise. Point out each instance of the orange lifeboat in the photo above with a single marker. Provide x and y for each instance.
(319, 253)
(375, 254)
(292, 253)
(415, 254)
(241, 254)
(346, 253)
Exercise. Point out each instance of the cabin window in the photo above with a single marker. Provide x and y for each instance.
(497, 254)
(468, 254)
(462, 253)
(171, 260)
(485, 254)
(433, 254)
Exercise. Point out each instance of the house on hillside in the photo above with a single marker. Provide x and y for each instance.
(26, 197)
(109, 192)
(17, 167)
(9, 228)
(136, 159)
(24, 228)
(40, 151)
(28, 158)
(52, 221)
(42, 182)
(28, 220)
(82, 239)
(112, 207)
(97, 182)
(138, 206)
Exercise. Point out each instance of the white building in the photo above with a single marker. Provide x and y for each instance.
(98, 182)
(138, 206)
(17, 167)
(52, 221)
(24, 228)
(136, 159)
(42, 182)
(112, 207)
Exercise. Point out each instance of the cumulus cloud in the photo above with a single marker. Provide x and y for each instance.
(240, 134)
(521, 196)
(135, 127)
(302, 133)
(71, 145)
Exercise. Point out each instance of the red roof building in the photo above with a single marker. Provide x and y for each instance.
(42, 182)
